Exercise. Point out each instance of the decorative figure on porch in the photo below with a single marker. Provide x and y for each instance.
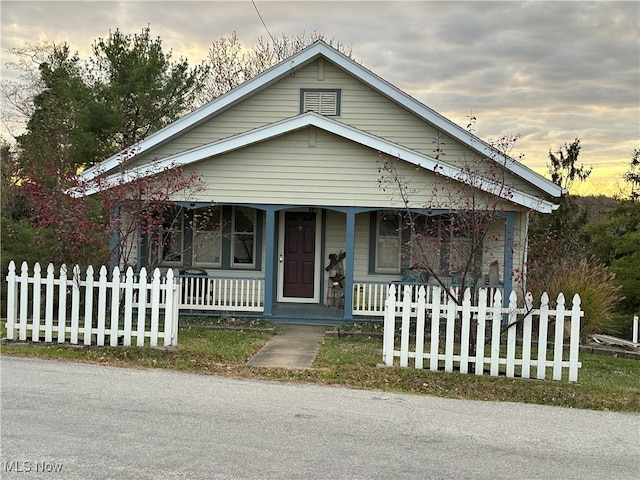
(335, 264)
(335, 292)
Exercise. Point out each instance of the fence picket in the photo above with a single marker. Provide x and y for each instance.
(389, 327)
(526, 336)
(512, 326)
(11, 300)
(496, 320)
(62, 304)
(404, 334)
(75, 304)
(24, 298)
(542, 336)
(88, 306)
(142, 306)
(102, 306)
(558, 338)
(420, 307)
(169, 289)
(480, 332)
(128, 306)
(450, 331)
(48, 305)
(115, 307)
(155, 306)
(465, 331)
(435, 329)
(574, 347)
(37, 291)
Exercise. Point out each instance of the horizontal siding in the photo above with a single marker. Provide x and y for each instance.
(362, 108)
(334, 172)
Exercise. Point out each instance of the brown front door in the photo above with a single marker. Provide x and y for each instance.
(299, 254)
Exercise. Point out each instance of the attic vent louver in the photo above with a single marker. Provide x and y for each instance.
(322, 101)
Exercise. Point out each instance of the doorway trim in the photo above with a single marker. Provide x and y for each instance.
(317, 267)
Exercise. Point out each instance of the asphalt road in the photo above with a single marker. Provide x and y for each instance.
(78, 421)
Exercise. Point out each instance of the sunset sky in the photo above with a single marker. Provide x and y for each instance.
(550, 71)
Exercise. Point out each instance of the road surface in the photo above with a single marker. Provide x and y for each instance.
(82, 421)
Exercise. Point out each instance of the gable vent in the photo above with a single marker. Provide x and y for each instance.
(324, 102)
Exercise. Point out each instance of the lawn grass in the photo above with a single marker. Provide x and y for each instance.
(605, 382)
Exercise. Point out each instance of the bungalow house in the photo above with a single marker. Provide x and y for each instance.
(310, 170)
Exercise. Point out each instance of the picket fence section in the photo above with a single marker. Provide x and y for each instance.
(369, 297)
(73, 309)
(487, 322)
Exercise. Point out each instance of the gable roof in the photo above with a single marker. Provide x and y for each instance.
(300, 59)
(330, 125)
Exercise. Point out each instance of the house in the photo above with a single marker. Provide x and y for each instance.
(302, 213)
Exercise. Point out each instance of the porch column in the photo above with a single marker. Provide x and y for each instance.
(509, 235)
(269, 259)
(350, 264)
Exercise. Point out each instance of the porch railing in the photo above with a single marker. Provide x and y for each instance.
(369, 297)
(208, 293)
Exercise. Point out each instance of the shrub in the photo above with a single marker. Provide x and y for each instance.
(594, 283)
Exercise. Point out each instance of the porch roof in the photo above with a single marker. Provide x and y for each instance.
(330, 125)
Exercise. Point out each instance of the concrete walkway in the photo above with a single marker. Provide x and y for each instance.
(295, 347)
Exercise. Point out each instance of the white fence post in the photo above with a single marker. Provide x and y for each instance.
(635, 329)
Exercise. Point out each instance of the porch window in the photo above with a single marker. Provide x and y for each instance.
(322, 101)
(207, 237)
(243, 237)
(437, 242)
(168, 244)
(388, 242)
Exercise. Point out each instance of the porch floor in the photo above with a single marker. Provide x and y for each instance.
(307, 313)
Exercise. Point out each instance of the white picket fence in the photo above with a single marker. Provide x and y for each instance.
(421, 319)
(39, 307)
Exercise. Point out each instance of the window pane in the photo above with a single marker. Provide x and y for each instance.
(243, 242)
(243, 249)
(171, 235)
(388, 242)
(207, 236)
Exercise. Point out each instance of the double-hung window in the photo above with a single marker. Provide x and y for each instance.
(243, 233)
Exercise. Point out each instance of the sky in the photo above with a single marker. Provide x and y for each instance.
(547, 71)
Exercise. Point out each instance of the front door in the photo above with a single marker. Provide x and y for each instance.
(299, 254)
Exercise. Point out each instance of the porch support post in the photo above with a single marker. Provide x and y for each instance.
(269, 259)
(350, 264)
(114, 240)
(509, 235)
